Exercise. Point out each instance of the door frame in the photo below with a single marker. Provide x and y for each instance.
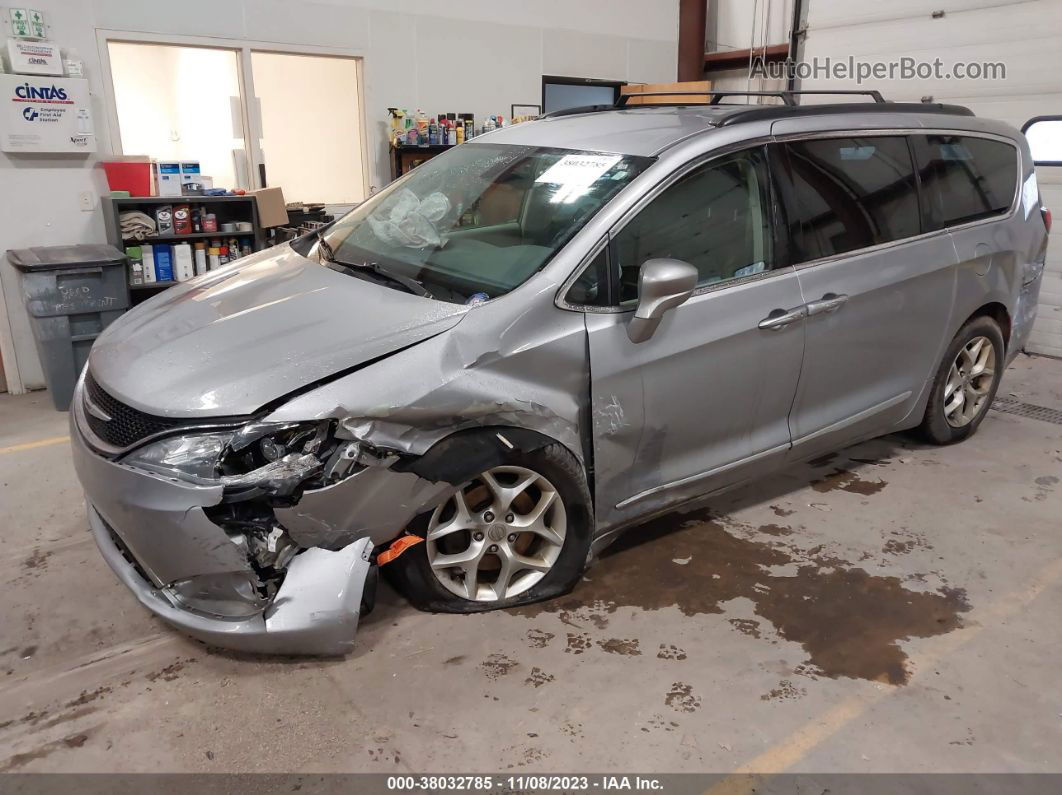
(251, 116)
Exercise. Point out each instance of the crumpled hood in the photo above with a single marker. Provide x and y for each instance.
(233, 340)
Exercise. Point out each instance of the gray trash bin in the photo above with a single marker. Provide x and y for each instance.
(72, 293)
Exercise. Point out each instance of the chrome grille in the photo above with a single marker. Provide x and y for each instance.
(127, 425)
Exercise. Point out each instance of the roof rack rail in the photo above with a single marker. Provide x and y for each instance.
(787, 97)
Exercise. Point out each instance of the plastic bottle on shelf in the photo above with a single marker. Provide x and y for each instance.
(433, 132)
(200, 258)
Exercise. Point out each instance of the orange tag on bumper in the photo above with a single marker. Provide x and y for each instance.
(399, 546)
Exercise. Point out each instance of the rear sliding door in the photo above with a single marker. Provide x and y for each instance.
(878, 294)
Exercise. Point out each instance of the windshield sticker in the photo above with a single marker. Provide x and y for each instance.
(574, 174)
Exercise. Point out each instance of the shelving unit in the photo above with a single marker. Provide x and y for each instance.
(404, 158)
(226, 208)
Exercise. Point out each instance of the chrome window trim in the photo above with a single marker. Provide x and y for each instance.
(762, 140)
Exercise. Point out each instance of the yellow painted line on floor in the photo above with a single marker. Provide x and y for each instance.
(800, 743)
(18, 448)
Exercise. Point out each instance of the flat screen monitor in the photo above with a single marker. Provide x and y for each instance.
(561, 93)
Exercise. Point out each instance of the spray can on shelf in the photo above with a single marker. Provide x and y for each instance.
(213, 258)
(433, 132)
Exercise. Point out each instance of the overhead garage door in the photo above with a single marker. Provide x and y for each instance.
(1022, 34)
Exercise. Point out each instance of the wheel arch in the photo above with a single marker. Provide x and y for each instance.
(465, 453)
(998, 312)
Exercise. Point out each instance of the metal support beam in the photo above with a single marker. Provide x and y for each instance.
(693, 15)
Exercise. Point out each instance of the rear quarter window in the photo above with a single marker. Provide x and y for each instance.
(964, 178)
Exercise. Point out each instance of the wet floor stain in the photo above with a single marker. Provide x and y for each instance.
(746, 626)
(847, 480)
(577, 643)
(20, 760)
(786, 691)
(37, 560)
(538, 639)
(169, 672)
(780, 511)
(776, 530)
(681, 698)
(849, 622)
(538, 678)
(659, 723)
(497, 665)
(669, 651)
(87, 696)
(625, 646)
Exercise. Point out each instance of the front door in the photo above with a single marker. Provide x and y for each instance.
(704, 402)
(878, 301)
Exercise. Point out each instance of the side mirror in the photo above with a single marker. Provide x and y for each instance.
(663, 284)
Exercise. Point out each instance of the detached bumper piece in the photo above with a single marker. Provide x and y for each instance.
(315, 612)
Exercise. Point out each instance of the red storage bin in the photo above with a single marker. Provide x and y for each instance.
(131, 174)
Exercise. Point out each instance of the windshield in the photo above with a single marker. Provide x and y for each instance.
(477, 221)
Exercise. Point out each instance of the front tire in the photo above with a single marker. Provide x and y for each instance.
(966, 383)
(516, 533)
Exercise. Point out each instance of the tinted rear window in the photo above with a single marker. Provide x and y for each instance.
(964, 178)
(849, 193)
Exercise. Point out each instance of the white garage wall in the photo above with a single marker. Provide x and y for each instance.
(1024, 34)
(474, 56)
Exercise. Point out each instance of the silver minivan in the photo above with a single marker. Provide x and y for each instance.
(479, 377)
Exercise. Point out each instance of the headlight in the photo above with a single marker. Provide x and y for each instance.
(275, 457)
(192, 458)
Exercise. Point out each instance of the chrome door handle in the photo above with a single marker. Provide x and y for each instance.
(780, 318)
(830, 302)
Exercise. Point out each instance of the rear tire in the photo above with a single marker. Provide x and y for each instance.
(514, 534)
(965, 384)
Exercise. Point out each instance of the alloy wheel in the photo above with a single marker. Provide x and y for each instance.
(969, 382)
(498, 535)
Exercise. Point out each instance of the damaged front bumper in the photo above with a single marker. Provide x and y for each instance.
(158, 535)
(314, 612)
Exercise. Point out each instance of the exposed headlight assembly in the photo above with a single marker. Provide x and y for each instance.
(272, 458)
(192, 458)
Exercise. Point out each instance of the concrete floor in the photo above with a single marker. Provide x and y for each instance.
(892, 608)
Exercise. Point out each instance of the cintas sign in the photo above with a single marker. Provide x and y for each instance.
(49, 114)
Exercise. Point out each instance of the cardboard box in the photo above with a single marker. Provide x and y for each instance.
(167, 178)
(632, 91)
(271, 208)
